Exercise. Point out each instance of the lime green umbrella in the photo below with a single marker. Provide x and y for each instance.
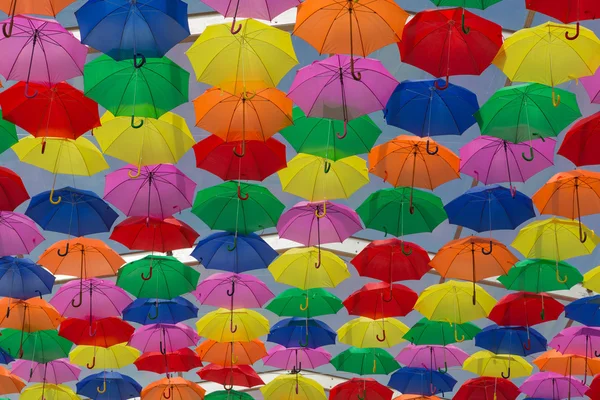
(309, 303)
(228, 395)
(8, 134)
(40, 346)
(237, 207)
(388, 210)
(365, 361)
(440, 333)
(319, 136)
(540, 275)
(159, 277)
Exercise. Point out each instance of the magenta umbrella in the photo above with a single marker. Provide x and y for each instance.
(550, 385)
(55, 372)
(163, 338)
(326, 89)
(296, 358)
(492, 160)
(432, 357)
(592, 86)
(229, 290)
(19, 234)
(160, 191)
(579, 340)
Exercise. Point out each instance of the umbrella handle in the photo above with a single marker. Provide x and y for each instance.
(133, 124)
(137, 174)
(318, 263)
(304, 307)
(21, 351)
(232, 292)
(387, 300)
(162, 349)
(327, 167)
(232, 328)
(527, 346)
(431, 152)
(40, 294)
(582, 235)
(437, 85)
(596, 354)
(26, 92)
(243, 150)
(513, 191)
(147, 278)
(141, 57)
(488, 252)
(93, 363)
(66, 251)
(304, 344)
(543, 314)
(404, 251)
(319, 215)
(462, 338)
(341, 136)
(555, 99)
(464, 28)
(364, 396)
(239, 194)
(8, 312)
(531, 155)
(559, 279)
(167, 396)
(154, 316)
(93, 333)
(443, 371)
(357, 76)
(77, 304)
(385, 231)
(507, 376)
(574, 36)
(232, 248)
(234, 30)
(246, 97)
(432, 388)
(8, 33)
(381, 339)
(103, 390)
(52, 201)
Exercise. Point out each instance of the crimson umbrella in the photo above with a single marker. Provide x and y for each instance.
(582, 141)
(484, 388)
(103, 332)
(525, 309)
(360, 389)
(12, 190)
(381, 300)
(181, 360)
(594, 391)
(153, 234)
(238, 375)
(567, 11)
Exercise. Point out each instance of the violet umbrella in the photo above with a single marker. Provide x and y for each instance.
(296, 358)
(550, 385)
(592, 86)
(54, 372)
(432, 357)
(163, 338)
(19, 234)
(160, 191)
(230, 290)
(327, 89)
(578, 340)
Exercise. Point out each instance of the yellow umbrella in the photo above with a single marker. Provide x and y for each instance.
(365, 332)
(309, 268)
(554, 239)
(239, 325)
(295, 386)
(255, 58)
(591, 279)
(113, 357)
(48, 391)
(316, 179)
(486, 363)
(159, 141)
(543, 54)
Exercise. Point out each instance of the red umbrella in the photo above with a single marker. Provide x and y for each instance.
(582, 141)
(485, 388)
(153, 234)
(239, 375)
(450, 41)
(525, 309)
(360, 389)
(567, 11)
(263, 158)
(594, 390)
(12, 190)
(381, 300)
(57, 111)
(173, 361)
(103, 332)
(392, 260)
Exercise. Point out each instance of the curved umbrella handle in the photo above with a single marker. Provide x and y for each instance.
(343, 135)
(543, 314)
(327, 167)
(8, 312)
(304, 307)
(527, 346)
(137, 174)
(513, 191)
(305, 344)
(26, 92)
(134, 125)
(147, 278)
(559, 279)
(432, 388)
(232, 327)
(431, 152)
(404, 251)
(65, 253)
(92, 332)
(596, 354)
(245, 95)
(8, 33)
(388, 300)
(93, 363)
(233, 29)
(507, 376)
(242, 153)
(569, 37)
(464, 28)
(531, 155)
(153, 317)
(555, 99)
(382, 338)
(374, 366)
(77, 304)
(52, 201)
(445, 370)
(161, 348)
(462, 338)
(40, 294)
(232, 292)
(488, 252)
(44, 146)
(239, 194)
(103, 390)
(357, 76)
(167, 396)
(364, 396)
(318, 263)
(141, 58)
(321, 215)
(582, 233)
(232, 248)
(437, 85)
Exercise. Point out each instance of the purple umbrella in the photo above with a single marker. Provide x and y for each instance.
(229, 290)
(431, 357)
(550, 385)
(327, 89)
(55, 372)
(492, 160)
(160, 191)
(163, 338)
(296, 358)
(592, 86)
(578, 340)
(19, 234)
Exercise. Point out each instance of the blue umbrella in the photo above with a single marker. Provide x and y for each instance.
(5, 358)
(126, 29)
(303, 332)
(421, 381)
(23, 279)
(217, 251)
(161, 311)
(79, 213)
(109, 386)
(419, 108)
(492, 207)
(586, 310)
(517, 340)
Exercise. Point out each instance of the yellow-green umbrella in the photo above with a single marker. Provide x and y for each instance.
(239, 325)
(486, 363)
(365, 332)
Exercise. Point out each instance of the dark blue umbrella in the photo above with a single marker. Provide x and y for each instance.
(109, 386)
(517, 340)
(217, 251)
(419, 108)
(79, 213)
(23, 279)
(492, 207)
(161, 311)
(126, 29)
(586, 310)
(421, 381)
(303, 332)
(5, 358)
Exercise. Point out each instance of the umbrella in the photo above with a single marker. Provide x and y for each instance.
(525, 309)
(579, 142)
(250, 9)
(365, 361)
(317, 136)
(293, 303)
(539, 275)
(9, 382)
(12, 189)
(225, 325)
(552, 385)
(567, 364)
(421, 381)
(22, 279)
(232, 353)
(318, 179)
(48, 391)
(591, 279)
(48, 7)
(365, 332)
(486, 363)
(487, 387)
(103, 332)
(258, 57)
(8, 137)
(584, 310)
(440, 333)
(240, 375)
(593, 390)
(19, 234)
(414, 103)
(285, 385)
(29, 316)
(592, 87)
(166, 362)
(41, 346)
(234, 252)
(231, 290)
(449, 42)
(517, 340)
(160, 311)
(5, 358)
(381, 300)
(113, 357)
(301, 332)
(432, 357)
(296, 358)
(160, 191)
(108, 385)
(175, 387)
(360, 388)
(124, 29)
(54, 372)
(153, 234)
(415, 397)
(580, 341)
(567, 12)
(163, 338)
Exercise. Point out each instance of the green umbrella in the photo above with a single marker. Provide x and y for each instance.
(440, 333)
(237, 207)
(159, 277)
(387, 210)
(318, 136)
(40, 346)
(540, 275)
(151, 90)
(478, 4)
(365, 361)
(8, 134)
(309, 303)
(228, 395)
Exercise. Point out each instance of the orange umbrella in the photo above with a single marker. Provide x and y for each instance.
(10, 383)
(244, 353)
(30, 315)
(570, 194)
(567, 364)
(486, 256)
(40, 7)
(174, 388)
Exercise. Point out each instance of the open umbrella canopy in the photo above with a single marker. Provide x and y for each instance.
(359, 388)
(154, 234)
(163, 337)
(486, 363)
(55, 372)
(157, 311)
(109, 385)
(283, 385)
(421, 381)
(296, 358)
(49, 391)
(307, 303)
(432, 357)
(227, 354)
(551, 385)
(540, 275)
(579, 141)
(487, 387)
(173, 386)
(225, 325)
(231, 290)
(162, 362)
(23, 279)
(440, 333)
(104, 332)
(20, 235)
(381, 300)
(113, 357)
(365, 332)
(515, 340)
(41, 346)
(525, 309)
(241, 375)
(365, 361)
(12, 190)
(302, 332)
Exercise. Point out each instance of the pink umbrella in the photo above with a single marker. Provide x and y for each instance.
(163, 338)
(296, 358)
(492, 160)
(229, 290)
(19, 234)
(578, 340)
(432, 357)
(327, 89)
(592, 86)
(160, 191)
(55, 372)
(550, 385)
